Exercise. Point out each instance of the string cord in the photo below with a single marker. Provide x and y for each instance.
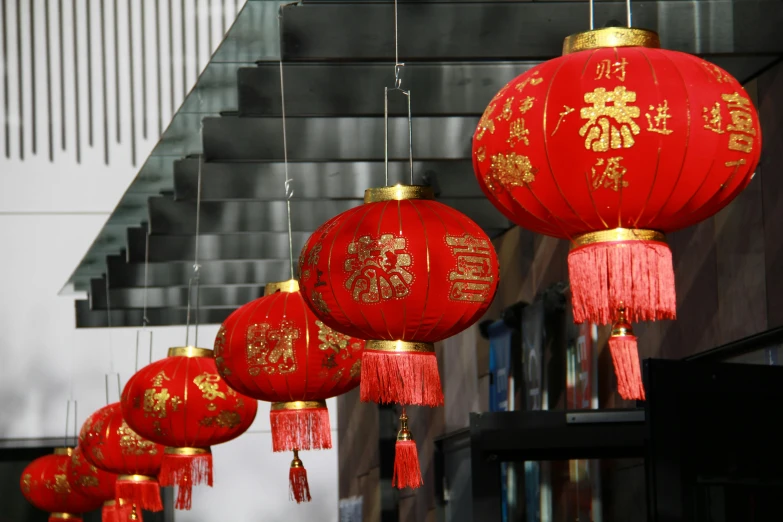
(289, 190)
(397, 87)
(195, 279)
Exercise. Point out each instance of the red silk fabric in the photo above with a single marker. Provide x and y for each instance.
(89, 480)
(47, 484)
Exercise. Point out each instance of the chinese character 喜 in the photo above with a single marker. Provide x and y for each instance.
(378, 270)
(472, 277)
(609, 126)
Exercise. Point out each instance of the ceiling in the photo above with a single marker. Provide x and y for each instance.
(338, 57)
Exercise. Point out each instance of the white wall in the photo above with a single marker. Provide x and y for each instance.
(50, 211)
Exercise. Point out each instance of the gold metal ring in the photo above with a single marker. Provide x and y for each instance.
(63, 451)
(618, 234)
(110, 503)
(621, 330)
(186, 451)
(290, 286)
(135, 478)
(63, 516)
(298, 405)
(399, 346)
(398, 192)
(189, 351)
(611, 37)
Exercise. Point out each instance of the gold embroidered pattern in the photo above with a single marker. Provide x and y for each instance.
(566, 111)
(88, 481)
(486, 123)
(157, 381)
(224, 419)
(533, 80)
(657, 123)
(339, 375)
(378, 269)
(526, 104)
(319, 303)
(60, 484)
(606, 69)
(600, 132)
(716, 72)
(472, 277)
(611, 176)
(332, 340)
(132, 444)
(507, 110)
(155, 403)
(481, 154)
(27, 481)
(272, 349)
(175, 403)
(735, 164)
(220, 345)
(356, 369)
(741, 126)
(513, 170)
(208, 383)
(713, 118)
(517, 132)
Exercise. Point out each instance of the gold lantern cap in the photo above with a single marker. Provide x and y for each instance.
(189, 351)
(611, 37)
(63, 451)
(291, 286)
(398, 193)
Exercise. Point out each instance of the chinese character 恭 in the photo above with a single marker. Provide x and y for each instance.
(271, 349)
(517, 132)
(208, 384)
(713, 119)
(486, 123)
(566, 111)
(606, 68)
(378, 270)
(155, 402)
(508, 171)
(472, 277)
(657, 123)
(600, 132)
(611, 176)
(526, 104)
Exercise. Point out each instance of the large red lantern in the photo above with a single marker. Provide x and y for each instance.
(610, 146)
(182, 403)
(402, 271)
(111, 445)
(96, 484)
(274, 349)
(46, 484)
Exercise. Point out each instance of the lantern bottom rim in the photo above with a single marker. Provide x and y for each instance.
(63, 516)
(136, 478)
(617, 235)
(399, 346)
(186, 451)
(298, 405)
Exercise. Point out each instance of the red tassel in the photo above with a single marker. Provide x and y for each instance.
(185, 471)
(407, 473)
(608, 275)
(109, 512)
(304, 429)
(140, 490)
(121, 513)
(401, 377)
(299, 489)
(625, 357)
(59, 517)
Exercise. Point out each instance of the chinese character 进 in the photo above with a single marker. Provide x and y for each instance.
(378, 270)
(713, 119)
(472, 277)
(611, 176)
(601, 133)
(657, 123)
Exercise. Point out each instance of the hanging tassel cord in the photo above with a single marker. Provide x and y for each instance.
(407, 471)
(299, 489)
(625, 358)
(402, 378)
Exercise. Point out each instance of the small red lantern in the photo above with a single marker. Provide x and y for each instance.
(111, 445)
(46, 484)
(610, 146)
(276, 350)
(182, 403)
(96, 484)
(402, 271)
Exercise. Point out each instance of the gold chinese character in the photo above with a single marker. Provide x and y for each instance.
(472, 277)
(611, 176)
(224, 419)
(60, 485)
(155, 402)
(736, 164)
(272, 349)
(599, 131)
(507, 110)
(526, 104)
(741, 143)
(713, 119)
(530, 80)
(378, 270)
(517, 132)
(175, 403)
(207, 383)
(132, 444)
(157, 381)
(356, 369)
(481, 154)
(716, 72)
(566, 111)
(332, 340)
(606, 69)
(657, 123)
(320, 303)
(513, 170)
(486, 123)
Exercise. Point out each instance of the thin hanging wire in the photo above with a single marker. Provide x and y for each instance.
(111, 347)
(289, 190)
(196, 277)
(628, 11)
(397, 87)
(144, 319)
(68, 419)
(592, 14)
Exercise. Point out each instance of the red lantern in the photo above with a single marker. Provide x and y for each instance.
(182, 403)
(96, 484)
(46, 484)
(274, 349)
(111, 445)
(402, 271)
(610, 146)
